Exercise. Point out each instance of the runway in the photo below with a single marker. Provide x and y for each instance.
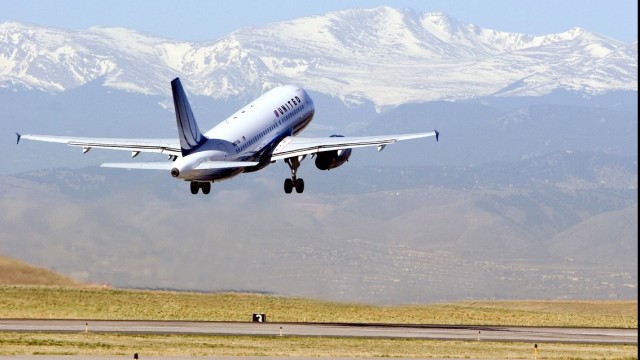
(439, 332)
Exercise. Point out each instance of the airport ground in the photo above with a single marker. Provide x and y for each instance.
(125, 345)
(232, 310)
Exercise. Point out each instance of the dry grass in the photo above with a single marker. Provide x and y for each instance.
(578, 307)
(191, 345)
(98, 303)
(17, 272)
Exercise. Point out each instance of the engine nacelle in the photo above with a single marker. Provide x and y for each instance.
(332, 159)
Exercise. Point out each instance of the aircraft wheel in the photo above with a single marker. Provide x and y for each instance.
(194, 187)
(206, 187)
(299, 185)
(288, 186)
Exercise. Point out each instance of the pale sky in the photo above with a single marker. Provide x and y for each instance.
(207, 20)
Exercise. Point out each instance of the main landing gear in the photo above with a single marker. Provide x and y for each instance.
(197, 185)
(294, 182)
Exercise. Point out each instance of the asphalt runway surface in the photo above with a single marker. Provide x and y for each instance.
(439, 332)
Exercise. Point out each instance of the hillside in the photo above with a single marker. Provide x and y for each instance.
(16, 272)
(369, 234)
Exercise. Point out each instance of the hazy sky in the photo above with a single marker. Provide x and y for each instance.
(202, 20)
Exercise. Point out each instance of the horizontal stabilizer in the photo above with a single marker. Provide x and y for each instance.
(168, 165)
(158, 165)
(210, 165)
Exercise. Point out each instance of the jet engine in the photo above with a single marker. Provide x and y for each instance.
(332, 159)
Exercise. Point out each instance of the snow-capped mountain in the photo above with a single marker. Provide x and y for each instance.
(384, 55)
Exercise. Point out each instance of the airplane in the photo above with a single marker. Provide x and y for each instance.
(260, 133)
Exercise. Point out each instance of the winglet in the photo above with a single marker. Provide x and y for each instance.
(437, 134)
(190, 135)
(19, 136)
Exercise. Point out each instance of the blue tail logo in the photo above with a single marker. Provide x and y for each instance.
(190, 135)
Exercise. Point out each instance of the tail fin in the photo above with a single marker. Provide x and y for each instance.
(188, 131)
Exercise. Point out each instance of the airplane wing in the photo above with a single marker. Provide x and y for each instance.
(164, 146)
(136, 146)
(293, 146)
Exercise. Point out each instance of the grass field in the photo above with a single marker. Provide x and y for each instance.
(105, 303)
(294, 347)
(99, 303)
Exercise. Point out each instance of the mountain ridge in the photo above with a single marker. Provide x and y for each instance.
(413, 57)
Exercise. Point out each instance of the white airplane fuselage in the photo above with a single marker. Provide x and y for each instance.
(249, 133)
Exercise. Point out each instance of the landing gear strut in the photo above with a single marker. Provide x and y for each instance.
(293, 182)
(197, 185)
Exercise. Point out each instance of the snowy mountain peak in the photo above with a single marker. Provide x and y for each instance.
(440, 22)
(385, 55)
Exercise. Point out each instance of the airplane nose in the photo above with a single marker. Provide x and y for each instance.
(175, 172)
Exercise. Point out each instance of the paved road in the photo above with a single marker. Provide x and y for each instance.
(492, 333)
